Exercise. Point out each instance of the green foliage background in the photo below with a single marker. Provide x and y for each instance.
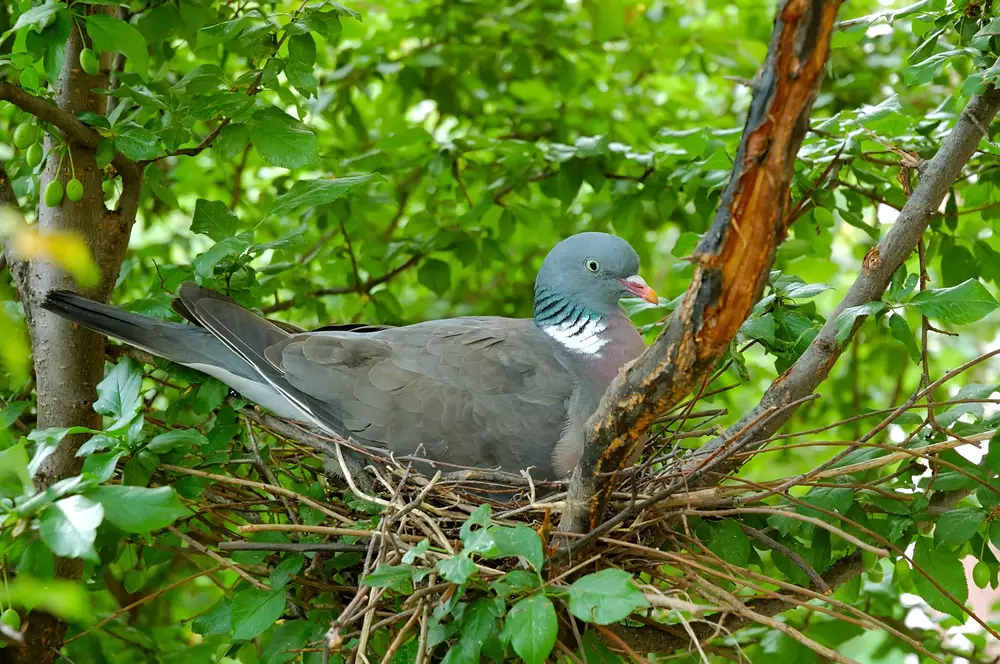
(413, 160)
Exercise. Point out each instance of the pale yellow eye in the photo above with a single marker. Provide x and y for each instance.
(592, 265)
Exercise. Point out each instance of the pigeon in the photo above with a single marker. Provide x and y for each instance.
(484, 392)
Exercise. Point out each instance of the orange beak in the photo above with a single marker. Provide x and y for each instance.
(638, 287)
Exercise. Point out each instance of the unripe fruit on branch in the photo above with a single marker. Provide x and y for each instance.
(89, 61)
(74, 190)
(53, 193)
(25, 135)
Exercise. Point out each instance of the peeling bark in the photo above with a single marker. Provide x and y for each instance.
(733, 260)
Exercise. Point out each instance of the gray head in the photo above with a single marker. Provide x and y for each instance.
(590, 270)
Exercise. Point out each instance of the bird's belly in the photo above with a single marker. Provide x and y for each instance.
(258, 392)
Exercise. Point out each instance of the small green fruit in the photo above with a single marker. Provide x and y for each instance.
(869, 559)
(981, 574)
(74, 190)
(34, 155)
(901, 572)
(11, 618)
(25, 135)
(89, 61)
(108, 187)
(53, 193)
(875, 574)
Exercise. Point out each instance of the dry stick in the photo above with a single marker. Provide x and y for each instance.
(293, 547)
(786, 629)
(323, 530)
(398, 641)
(699, 497)
(266, 471)
(144, 600)
(799, 561)
(262, 486)
(198, 546)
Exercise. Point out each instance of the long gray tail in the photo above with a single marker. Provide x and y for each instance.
(178, 342)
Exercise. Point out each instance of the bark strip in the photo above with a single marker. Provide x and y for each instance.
(733, 260)
(813, 367)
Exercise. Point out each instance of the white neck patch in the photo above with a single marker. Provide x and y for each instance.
(580, 336)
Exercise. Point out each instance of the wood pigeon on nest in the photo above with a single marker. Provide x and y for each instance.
(486, 392)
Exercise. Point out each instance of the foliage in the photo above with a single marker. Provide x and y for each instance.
(415, 160)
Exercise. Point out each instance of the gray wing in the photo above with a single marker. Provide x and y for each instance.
(486, 392)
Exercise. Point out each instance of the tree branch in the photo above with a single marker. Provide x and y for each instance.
(812, 368)
(64, 121)
(733, 261)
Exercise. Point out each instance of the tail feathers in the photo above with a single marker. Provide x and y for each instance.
(177, 342)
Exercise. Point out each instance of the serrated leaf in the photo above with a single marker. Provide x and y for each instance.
(760, 327)
(137, 509)
(901, 332)
(947, 570)
(68, 527)
(456, 569)
(217, 621)
(176, 438)
(118, 394)
(394, 577)
(255, 610)
(959, 305)
(847, 318)
(531, 628)
(283, 571)
(281, 140)
(519, 541)
(102, 466)
(435, 275)
(957, 526)
(137, 142)
(310, 193)
(214, 219)
(605, 597)
(287, 638)
(233, 138)
(729, 542)
(204, 264)
(113, 35)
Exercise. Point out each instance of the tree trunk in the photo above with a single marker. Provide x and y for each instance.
(69, 360)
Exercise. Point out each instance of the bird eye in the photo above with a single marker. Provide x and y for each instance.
(592, 265)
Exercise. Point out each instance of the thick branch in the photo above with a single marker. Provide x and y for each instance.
(936, 178)
(733, 260)
(64, 121)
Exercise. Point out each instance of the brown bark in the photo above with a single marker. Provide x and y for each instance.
(733, 260)
(68, 360)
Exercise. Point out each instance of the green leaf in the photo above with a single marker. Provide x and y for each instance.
(214, 219)
(515, 581)
(218, 33)
(531, 628)
(39, 17)
(68, 600)
(435, 275)
(176, 438)
(284, 570)
(947, 570)
(137, 142)
(14, 476)
(901, 332)
(102, 466)
(847, 318)
(957, 526)
(519, 541)
(394, 577)
(959, 305)
(310, 193)
(457, 569)
(605, 597)
(68, 527)
(231, 141)
(281, 140)
(217, 621)
(105, 152)
(204, 264)
(478, 625)
(289, 636)
(113, 35)
(118, 394)
(302, 48)
(137, 509)
(255, 610)
(729, 542)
